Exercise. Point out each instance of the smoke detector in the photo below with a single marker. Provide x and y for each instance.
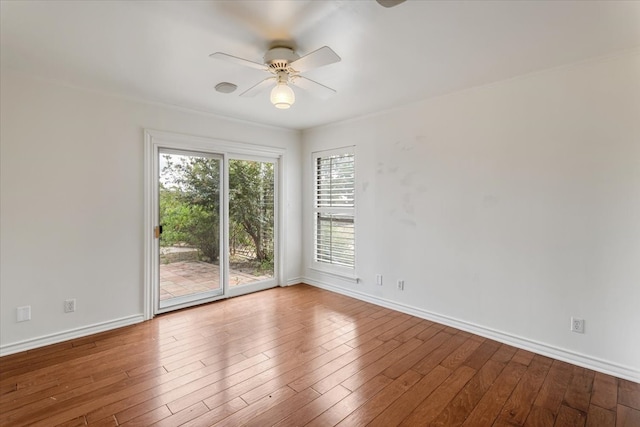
(226, 87)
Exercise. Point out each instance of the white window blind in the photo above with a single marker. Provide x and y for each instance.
(334, 204)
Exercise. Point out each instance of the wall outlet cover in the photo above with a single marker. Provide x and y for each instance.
(69, 305)
(577, 325)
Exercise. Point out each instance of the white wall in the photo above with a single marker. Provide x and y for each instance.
(72, 203)
(506, 209)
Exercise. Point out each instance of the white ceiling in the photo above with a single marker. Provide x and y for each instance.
(159, 51)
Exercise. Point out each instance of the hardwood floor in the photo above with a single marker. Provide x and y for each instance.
(302, 356)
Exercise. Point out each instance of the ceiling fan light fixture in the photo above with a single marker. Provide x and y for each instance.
(282, 96)
(284, 67)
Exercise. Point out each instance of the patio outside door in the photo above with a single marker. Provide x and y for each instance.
(190, 213)
(252, 223)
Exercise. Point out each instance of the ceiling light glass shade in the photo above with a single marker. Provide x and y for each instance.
(282, 96)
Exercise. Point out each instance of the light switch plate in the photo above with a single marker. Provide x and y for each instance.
(23, 313)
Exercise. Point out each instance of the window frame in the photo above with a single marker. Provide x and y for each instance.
(341, 271)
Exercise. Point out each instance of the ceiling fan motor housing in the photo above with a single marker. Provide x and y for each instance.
(279, 58)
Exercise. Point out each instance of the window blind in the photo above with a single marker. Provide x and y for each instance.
(334, 204)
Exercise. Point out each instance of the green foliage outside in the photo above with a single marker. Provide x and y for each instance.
(189, 224)
(190, 201)
(251, 204)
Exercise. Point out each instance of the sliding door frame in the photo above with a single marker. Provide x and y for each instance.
(265, 284)
(154, 141)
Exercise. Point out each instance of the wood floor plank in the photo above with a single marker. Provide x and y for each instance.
(375, 368)
(481, 354)
(286, 377)
(314, 408)
(405, 404)
(504, 354)
(245, 414)
(425, 365)
(554, 387)
(523, 356)
(457, 411)
(301, 355)
(77, 369)
(627, 417)
(416, 329)
(489, 406)
(127, 405)
(309, 378)
(349, 332)
(7, 388)
(354, 367)
(352, 402)
(440, 398)
(258, 373)
(424, 350)
(599, 417)
(378, 403)
(142, 388)
(227, 390)
(182, 417)
(629, 394)
(430, 332)
(76, 422)
(570, 417)
(306, 338)
(44, 408)
(215, 415)
(26, 395)
(398, 329)
(540, 417)
(281, 345)
(516, 409)
(578, 393)
(605, 391)
(455, 359)
(105, 422)
(280, 411)
(377, 328)
(147, 418)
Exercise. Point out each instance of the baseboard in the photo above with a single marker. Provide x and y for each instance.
(568, 356)
(294, 281)
(58, 337)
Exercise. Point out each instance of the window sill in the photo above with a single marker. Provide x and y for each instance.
(343, 276)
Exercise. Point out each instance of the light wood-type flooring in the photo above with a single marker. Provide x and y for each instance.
(302, 356)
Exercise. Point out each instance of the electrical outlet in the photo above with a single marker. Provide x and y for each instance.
(401, 285)
(379, 279)
(69, 305)
(577, 325)
(23, 313)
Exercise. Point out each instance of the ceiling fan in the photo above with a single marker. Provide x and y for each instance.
(285, 67)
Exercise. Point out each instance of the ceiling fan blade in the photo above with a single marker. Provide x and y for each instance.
(312, 87)
(390, 3)
(317, 58)
(239, 61)
(256, 89)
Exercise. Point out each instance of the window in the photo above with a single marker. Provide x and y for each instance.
(334, 231)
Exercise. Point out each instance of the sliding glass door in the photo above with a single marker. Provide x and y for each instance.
(252, 220)
(215, 226)
(190, 233)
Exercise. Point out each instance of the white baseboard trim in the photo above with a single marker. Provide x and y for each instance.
(564, 355)
(58, 337)
(294, 281)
